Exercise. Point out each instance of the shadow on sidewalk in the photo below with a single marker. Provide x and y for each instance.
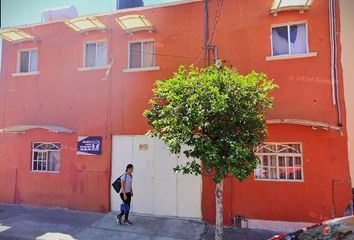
(238, 234)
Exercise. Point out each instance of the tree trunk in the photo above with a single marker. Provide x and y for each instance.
(219, 220)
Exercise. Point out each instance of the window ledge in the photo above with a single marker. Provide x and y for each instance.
(143, 69)
(279, 180)
(50, 172)
(82, 69)
(20, 74)
(291, 56)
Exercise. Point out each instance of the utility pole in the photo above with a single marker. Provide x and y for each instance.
(206, 32)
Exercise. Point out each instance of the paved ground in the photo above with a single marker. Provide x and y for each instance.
(238, 234)
(19, 222)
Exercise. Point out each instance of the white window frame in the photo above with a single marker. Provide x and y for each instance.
(84, 67)
(290, 55)
(18, 67)
(277, 162)
(155, 67)
(42, 151)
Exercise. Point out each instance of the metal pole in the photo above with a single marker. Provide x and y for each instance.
(206, 31)
(216, 57)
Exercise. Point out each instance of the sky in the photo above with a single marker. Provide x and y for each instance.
(20, 12)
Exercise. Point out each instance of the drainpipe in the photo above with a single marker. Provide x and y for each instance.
(206, 31)
(334, 60)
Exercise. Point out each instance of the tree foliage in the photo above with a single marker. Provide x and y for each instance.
(217, 112)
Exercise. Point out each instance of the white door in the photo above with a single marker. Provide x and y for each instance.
(157, 189)
(165, 181)
(122, 155)
(143, 187)
(187, 200)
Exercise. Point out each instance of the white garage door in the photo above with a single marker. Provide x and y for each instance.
(157, 189)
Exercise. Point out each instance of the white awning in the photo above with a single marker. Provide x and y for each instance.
(288, 5)
(310, 123)
(24, 128)
(15, 35)
(134, 23)
(84, 24)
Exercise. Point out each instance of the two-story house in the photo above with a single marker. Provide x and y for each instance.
(72, 94)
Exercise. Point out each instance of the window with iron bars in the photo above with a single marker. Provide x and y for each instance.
(280, 162)
(45, 157)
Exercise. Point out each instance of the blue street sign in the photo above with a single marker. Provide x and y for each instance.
(89, 145)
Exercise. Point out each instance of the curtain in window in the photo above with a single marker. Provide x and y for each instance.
(53, 161)
(135, 55)
(297, 168)
(280, 41)
(33, 61)
(40, 161)
(24, 61)
(35, 161)
(149, 54)
(90, 55)
(298, 41)
(101, 54)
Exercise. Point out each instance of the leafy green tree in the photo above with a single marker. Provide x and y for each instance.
(219, 114)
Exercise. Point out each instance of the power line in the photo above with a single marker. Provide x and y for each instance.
(216, 21)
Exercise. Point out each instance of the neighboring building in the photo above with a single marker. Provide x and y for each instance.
(347, 60)
(92, 76)
(0, 53)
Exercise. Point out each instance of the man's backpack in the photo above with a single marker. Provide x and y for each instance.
(117, 185)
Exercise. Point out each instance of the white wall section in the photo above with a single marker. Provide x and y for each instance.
(157, 189)
(347, 40)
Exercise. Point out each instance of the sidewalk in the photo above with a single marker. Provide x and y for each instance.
(27, 222)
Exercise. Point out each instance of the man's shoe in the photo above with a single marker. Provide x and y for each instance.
(126, 221)
(119, 219)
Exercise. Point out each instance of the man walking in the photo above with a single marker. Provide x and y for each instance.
(126, 194)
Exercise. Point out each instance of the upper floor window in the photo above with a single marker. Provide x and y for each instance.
(96, 54)
(28, 61)
(45, 157)
(289, 39)
(141, 54)
(280, 162)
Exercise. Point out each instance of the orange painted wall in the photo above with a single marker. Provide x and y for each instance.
(97, 103)
(325, 189)
(80, 184)
(90, 102)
